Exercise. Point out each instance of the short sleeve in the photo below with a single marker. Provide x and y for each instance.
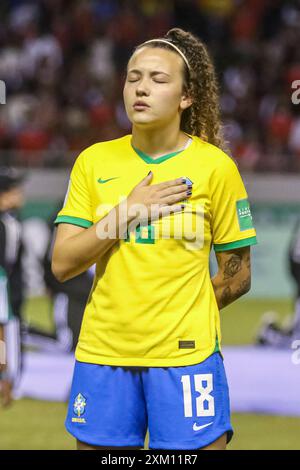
(231, 218)
(77, 209)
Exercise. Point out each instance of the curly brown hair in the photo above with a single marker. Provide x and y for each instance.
(202, 118)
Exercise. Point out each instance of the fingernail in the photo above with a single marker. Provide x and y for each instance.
(182, 206)
(183, 180)
(149, 173)
(189, 193)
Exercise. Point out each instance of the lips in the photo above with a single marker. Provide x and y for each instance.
(140, 105)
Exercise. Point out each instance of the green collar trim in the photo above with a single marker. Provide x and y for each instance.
(148, 159)
(161, 159)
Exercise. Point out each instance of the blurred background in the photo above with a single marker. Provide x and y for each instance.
(63, 64)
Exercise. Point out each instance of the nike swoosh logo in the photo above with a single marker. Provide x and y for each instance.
(100, 180)
(197, 428)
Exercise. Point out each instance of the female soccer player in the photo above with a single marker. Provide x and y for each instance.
(149, 348)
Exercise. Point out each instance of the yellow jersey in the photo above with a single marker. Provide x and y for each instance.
(152, 303)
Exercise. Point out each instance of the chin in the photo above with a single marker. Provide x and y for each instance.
(143, 123)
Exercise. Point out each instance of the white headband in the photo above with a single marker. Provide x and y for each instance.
(171, 44)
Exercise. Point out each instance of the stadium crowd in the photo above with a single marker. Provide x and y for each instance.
(63, 63)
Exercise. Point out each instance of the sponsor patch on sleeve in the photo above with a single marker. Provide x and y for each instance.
(244, 214)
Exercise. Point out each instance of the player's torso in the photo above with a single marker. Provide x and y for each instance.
(156, 280)
(112, 178)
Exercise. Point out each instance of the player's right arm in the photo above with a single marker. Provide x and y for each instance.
(77, 248)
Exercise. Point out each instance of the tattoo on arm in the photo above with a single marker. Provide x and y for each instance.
(232, 266)
(234, 276)
(226, 297)
(244, 287)
(248, 262)
(229, 296)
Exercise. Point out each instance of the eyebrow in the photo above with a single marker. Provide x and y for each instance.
(154, 72)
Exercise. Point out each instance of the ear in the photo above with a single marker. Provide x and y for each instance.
(186, 102)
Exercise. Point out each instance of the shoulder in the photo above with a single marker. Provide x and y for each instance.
(101, 151)
(214, 157)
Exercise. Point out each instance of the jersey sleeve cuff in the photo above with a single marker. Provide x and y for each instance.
(236, 244)
(67, 219)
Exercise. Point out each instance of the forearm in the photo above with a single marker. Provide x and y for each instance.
(233, 278)
(227, 292)
(77, 253)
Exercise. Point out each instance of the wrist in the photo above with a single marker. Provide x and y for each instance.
(125, 212)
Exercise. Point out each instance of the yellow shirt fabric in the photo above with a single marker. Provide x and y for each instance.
(152, 303)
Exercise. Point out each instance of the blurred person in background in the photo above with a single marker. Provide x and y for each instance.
(11, 283)
(271, 333)
(67, 306)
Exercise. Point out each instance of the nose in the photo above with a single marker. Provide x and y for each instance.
(142, 87)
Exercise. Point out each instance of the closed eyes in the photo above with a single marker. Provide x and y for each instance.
(136, 79)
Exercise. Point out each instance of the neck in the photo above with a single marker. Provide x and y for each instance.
(158, 142)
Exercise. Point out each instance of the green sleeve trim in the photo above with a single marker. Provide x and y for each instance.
(66, 219)
(236, 244)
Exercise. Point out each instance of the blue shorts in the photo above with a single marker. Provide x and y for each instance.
(184, 407)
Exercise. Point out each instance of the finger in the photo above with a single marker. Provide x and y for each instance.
(146, 180)
(167, 210)
(175, 190)
(175, 198)
(170, 183)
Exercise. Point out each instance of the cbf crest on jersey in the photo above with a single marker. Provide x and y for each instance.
(79, 405)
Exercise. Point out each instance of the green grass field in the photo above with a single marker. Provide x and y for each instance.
(30, 424)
